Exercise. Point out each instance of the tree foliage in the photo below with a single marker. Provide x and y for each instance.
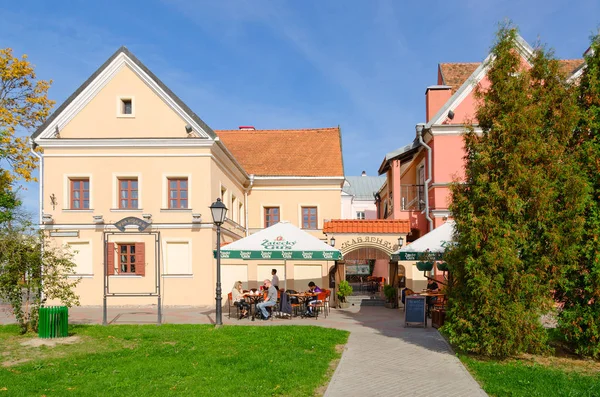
(30, 275)
(579, 320)
(519, 213)
(24, 104)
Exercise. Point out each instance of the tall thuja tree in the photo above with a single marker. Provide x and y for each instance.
(519, 212)
(579, 320)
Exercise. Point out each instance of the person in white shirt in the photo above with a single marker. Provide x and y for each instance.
(275, 279)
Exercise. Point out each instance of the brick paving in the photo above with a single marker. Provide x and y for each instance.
(382, 357)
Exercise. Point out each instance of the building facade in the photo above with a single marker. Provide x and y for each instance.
(358, 196)
(419, 174)
(128, 172)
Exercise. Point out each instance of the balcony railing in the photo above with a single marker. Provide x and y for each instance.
(412, 197)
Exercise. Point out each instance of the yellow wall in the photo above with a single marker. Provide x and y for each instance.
(152, 117)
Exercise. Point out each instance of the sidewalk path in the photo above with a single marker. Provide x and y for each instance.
(382, 357)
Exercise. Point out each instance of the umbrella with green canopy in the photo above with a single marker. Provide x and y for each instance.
(281, 241)
(433, 245)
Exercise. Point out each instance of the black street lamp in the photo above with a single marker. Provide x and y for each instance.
(400, 241)
(218, 211)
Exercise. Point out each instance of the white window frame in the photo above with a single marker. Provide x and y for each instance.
(67, 192)
(165, 190)
(115, 190)
(120, 100)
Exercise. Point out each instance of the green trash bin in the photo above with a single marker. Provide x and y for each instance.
(53, 322)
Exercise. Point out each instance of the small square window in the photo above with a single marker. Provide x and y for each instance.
(126, 106)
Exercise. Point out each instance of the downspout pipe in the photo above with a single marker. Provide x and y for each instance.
(246, 202)
(420, 127)
(32, 146)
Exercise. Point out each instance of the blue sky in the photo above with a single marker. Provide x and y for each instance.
(363, 65)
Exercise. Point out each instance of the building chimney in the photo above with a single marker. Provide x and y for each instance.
(247, 128)
(436, 96)
(364, 173)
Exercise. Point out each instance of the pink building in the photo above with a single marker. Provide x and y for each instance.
(419, 174)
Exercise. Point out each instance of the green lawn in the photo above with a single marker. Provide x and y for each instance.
(191, 360)
(536, 376)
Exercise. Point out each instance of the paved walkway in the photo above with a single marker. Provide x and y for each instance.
(382, 357)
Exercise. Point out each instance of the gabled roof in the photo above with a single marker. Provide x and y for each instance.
(470, 81)
(363, 188)
(396, 226)
(306, 152)
(570, 66)
(455, 74)
(123, 50)
(404, 151)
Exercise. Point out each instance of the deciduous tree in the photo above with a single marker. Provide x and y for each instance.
(24, 104)
(29, 275)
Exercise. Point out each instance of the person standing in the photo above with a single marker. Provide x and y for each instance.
(275, 279)
(271, 300)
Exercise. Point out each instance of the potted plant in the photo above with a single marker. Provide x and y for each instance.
(425, 266)
(390, 295)
(425, 263)
(443, 266)
(344, 290)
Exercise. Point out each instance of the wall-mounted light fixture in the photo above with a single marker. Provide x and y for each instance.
(147, 217)
(47, 218)
(332, 241)
(400, 241)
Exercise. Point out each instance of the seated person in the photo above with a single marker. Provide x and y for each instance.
(432, 286)
(312, 289)
(237, 296)
(271, 299)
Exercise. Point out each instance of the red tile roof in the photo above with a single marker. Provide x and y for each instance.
(568, 66)
(395, 226)
(455, 74)
(304, 152)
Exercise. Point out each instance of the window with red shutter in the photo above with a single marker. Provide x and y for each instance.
(131, 259)
(140, 259)
(110, 258)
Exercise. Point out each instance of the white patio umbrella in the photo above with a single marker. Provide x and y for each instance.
(280, 241)
(435, 242)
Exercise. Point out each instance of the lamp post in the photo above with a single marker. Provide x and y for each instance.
(218, 211)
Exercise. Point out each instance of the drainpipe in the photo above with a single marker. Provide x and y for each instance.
(33, 145)
(420, 128)
(246, 201)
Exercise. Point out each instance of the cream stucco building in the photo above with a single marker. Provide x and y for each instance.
(128, 173)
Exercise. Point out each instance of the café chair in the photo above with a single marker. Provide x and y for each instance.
(230, 304)
(327, 300)
(318, 304)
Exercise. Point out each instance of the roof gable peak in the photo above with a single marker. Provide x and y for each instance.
(92, 86)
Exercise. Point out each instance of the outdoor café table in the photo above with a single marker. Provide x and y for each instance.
(253, 299)
(303, 299)
(430, 294)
